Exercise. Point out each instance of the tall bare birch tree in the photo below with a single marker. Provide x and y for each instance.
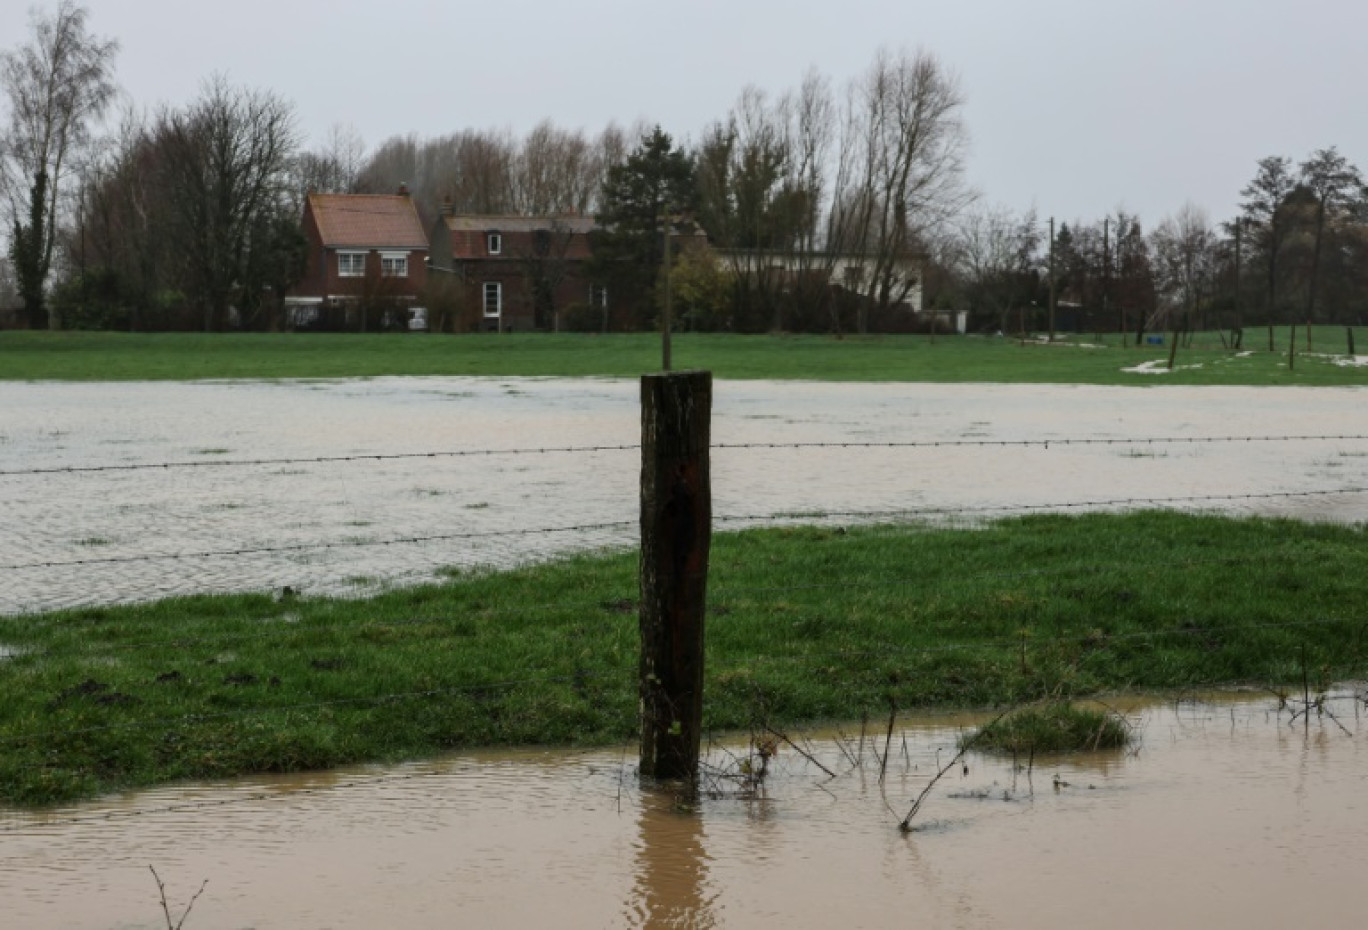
(58, 87)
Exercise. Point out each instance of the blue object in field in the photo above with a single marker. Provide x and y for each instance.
(1154, 340)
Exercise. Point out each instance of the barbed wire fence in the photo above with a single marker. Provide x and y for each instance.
(591, 535)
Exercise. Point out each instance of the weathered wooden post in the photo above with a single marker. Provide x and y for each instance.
(676, 533)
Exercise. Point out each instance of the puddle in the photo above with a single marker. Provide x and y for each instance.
(349, 505)
(1224, 816)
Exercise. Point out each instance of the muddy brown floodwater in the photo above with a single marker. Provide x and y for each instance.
(1226, 815)
(325, 524)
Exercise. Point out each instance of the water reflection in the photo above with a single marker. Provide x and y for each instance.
(671, 872)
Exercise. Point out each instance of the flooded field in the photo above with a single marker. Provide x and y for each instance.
(358, 525)
(1224, 814)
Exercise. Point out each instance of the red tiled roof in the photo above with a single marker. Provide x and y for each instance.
(368, 221)
(470, 222)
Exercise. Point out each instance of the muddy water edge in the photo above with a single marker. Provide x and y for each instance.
(1224, 814)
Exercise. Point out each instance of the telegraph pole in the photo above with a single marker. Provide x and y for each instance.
(1052, 280)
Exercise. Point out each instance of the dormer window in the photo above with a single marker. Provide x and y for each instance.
(494, 241)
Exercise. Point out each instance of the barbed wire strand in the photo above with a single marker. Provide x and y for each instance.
(312, 547)
(311, 460)
(630, 447)
(741, 518)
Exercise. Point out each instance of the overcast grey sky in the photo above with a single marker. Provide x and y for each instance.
(1074, 106)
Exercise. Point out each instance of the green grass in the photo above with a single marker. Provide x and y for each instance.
(805, 625)
(84, 356)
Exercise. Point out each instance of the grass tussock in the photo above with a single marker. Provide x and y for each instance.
(1055, 727)
(805, 624)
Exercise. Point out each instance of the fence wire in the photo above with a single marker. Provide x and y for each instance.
(631, 447)
(718, 599)
(776, 517)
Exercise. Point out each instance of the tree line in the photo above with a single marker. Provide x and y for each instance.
(1296, 253)
(824, 209)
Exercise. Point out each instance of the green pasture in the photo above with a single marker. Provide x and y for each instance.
(805, 625)
(1092, 359)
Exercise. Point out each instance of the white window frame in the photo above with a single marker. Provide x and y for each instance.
(351, 264)
(598, 295)
(497, 293)
(494, 242)
(394, 264)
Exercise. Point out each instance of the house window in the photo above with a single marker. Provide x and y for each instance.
(394, 264)
(351, 264)
(493, 299)
(495, 242)
(598, 295)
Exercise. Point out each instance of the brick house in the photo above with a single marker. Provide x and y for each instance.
(518, 273)
(367, 262)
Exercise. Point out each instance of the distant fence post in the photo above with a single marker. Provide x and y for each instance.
(676, 533)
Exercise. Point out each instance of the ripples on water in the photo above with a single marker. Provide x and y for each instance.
(116, 515)
(1224, 816)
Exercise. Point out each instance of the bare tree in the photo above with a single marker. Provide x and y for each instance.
(336, 166)
(902, 167)
(1265, 210)
(58, 86)
(226, 160)
(1336, 185)
(998, 257)
(123, 229)
(553, 172)
(1184, 250)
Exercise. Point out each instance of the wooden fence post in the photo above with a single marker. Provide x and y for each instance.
(676, 532)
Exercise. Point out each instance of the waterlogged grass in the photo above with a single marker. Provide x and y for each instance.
(805, 625)
(82, 356)
(1054, 727)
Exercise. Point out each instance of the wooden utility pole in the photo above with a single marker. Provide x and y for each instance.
(665, 328)
(1052, 280)
(1106, 267)
(1239, 314)
(676, 534)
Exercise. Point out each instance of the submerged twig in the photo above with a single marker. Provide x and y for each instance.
(965, 746)
(888, 739)
(166, 909)
(798, 749)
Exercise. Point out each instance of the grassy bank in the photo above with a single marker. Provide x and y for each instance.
(1093, 360)
(806, 624)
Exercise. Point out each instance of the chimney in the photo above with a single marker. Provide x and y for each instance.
(448, 208)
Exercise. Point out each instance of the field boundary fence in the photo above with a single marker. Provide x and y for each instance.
(624, 608)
